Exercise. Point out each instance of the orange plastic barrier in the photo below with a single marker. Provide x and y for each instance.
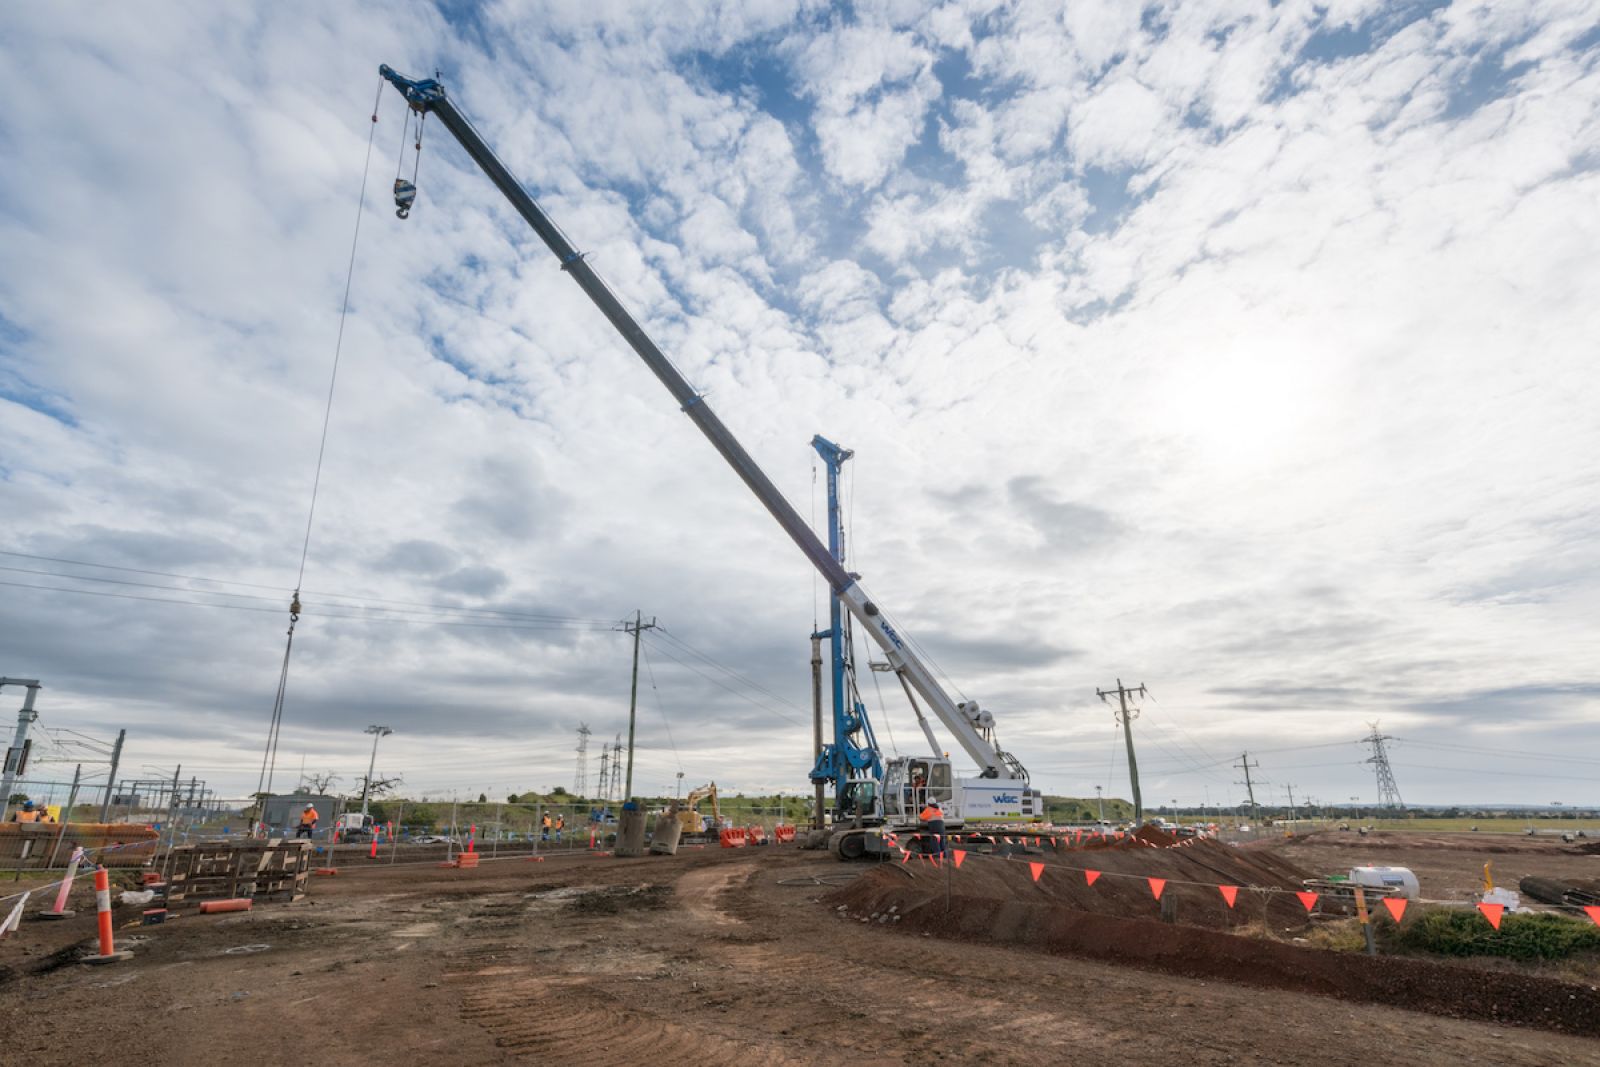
(756, 835)
(781, 834)
(467, 859)
(208, 907)
(734, 838)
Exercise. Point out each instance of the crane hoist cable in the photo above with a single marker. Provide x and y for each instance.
(269, 756)
(405, 192)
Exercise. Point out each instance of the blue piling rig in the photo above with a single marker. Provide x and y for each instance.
(852, 758)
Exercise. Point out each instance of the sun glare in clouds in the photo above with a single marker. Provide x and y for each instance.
(1242, 411)
(1262, 332)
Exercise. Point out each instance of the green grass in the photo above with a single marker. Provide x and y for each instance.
(1532, 936)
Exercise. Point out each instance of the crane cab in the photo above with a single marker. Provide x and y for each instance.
(910, 782)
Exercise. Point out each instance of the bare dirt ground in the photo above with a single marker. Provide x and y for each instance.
(1449, 866)
(710, 957)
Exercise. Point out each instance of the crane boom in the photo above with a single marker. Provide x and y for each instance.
(972, 726)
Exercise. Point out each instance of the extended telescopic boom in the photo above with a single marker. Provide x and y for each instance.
(972, 726)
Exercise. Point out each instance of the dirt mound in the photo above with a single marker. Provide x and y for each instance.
(996, 900)
(1192, 872)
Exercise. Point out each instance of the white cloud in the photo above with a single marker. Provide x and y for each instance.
(1297, 426)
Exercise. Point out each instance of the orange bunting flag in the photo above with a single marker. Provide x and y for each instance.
(1308, 899)
(1230, 893)
(1037, 869)
(1492, 912)
(1593, 911)
(934, 860)
(959, 855)
(905, 855)
(1156, 886)
(1090, 876)
(1396, 906)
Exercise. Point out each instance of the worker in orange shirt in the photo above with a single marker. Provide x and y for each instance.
(932, 818)
(308, 822)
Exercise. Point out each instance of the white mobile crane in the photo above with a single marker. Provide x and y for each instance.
(1000, 791)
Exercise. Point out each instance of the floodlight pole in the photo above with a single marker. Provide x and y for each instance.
(16, 755)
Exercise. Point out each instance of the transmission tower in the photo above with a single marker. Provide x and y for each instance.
(605, 771)
(614, 789)
(580, 781)
(1388, 792)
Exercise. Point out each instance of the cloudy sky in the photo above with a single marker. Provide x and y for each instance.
(1244, 350)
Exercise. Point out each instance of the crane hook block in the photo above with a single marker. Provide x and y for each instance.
(404, 194)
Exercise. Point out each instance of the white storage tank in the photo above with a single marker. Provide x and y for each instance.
(1387, 878)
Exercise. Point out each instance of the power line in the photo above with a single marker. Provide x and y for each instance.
(1496, 752)
(722, 685)
(729, 671)
(650, 671)
(278, 590)
(413, 618)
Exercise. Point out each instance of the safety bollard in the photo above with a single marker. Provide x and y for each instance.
(60, 910)
(102, 904)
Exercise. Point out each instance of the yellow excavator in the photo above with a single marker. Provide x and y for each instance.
(690, 819)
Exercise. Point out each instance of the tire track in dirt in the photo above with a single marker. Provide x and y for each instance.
(528, 1021)
(700, 891)
(566, 1016)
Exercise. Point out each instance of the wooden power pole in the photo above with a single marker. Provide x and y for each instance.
(637, 627)
(1126, 715)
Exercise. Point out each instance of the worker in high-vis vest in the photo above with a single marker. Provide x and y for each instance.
(544, 827)
(308, 822)
(29, 812)
(932, 818)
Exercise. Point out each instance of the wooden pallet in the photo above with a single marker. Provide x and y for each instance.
(273, 871)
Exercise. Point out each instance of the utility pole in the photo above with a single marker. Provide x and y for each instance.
(1245, 765)
(1099, 794)
(816, 724)
(580, 783)
(1126, 715)
(17, 754)
(1388, 792)
(637, 629)
(111, 776)
(1293, 815)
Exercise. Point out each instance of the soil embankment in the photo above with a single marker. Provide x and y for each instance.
(1116, 920)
